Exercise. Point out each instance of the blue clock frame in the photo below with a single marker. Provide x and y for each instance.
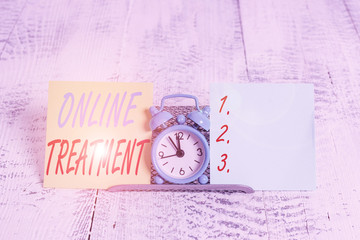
(200, 171)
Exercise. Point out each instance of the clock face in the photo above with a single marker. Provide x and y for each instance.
(180, 153)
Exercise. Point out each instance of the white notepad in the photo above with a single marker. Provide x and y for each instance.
(268, 138)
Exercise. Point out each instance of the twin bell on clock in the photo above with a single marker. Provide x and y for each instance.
(180, 153)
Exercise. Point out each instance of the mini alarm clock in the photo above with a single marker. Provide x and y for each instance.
(180, 153)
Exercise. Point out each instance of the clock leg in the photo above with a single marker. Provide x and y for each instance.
(158, 180)
(203, 179)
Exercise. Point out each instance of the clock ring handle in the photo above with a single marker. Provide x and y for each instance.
(179, 95)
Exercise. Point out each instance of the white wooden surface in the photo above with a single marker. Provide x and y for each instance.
(180, 46)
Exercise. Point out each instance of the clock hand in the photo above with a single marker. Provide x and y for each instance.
(178, 142)
(180, 153)
(169, 156)
(172, 142)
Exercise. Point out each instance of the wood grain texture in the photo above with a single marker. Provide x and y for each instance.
(301, 44)
(11, 11)
(27, 209)
(180, 46)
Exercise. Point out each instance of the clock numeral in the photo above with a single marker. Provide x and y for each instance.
(161, 154)
(200, 153)
(179, 135)
(181, 172)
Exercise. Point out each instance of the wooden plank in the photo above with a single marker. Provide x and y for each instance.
(65, 40)
(179, 215)
(10, 12)
(352, 8)
(343, 50)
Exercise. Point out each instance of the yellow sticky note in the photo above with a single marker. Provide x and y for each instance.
(98, 134)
